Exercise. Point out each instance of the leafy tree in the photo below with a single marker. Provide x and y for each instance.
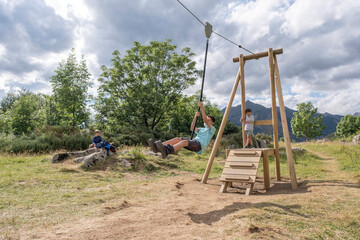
(306, 122)
(26, 113)
(144, 86)
(348, 126)
(230, 128)
(183, 114)
(70, 87)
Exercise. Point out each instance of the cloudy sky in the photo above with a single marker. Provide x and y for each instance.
(320, 38)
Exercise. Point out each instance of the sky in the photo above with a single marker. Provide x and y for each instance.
(320, 40)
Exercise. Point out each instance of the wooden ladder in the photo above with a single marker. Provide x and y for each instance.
(241, 166)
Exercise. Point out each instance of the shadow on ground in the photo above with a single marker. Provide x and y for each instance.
(214, 216)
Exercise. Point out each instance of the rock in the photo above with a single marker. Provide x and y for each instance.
(90, 160)
(125, 152)
(296, 150)
(58, 157)
(322, 140)
(126, 162)
(262, 144)
(356, 139)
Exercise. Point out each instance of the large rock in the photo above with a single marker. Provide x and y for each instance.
(356, 139)
(59, 157)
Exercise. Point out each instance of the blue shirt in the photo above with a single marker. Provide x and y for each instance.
(204, 136)
(97, 139)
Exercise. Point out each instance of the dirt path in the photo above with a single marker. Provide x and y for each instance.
(183, 208)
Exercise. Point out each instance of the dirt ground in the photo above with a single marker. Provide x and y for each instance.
(183, 208)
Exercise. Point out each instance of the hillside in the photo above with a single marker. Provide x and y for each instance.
(261, 113)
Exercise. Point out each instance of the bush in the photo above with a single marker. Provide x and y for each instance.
(76, 142)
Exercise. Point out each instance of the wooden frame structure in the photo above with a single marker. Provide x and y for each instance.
(275, 87)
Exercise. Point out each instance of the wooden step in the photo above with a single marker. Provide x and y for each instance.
(243, 159)
(236, 177)
(241, 164)
(240, 171)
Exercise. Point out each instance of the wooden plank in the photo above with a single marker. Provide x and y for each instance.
(224, 186)
(237, 177)
(262, 122)
(249, 189)
(243, 154)
(248, 159)
(241, 164)
(285, 128)
(258, 55)
(221, 129)
(243, 102)
(240, 171)
(274, 112)
(251, 179)
(227, 152)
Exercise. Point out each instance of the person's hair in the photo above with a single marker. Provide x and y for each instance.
(248, 110)
(97, 131)
(212, 118)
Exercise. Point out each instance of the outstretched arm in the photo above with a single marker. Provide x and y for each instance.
(204, 116)
(197, 114)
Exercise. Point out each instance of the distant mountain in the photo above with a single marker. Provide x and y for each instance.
(357, 114)
(262, 113)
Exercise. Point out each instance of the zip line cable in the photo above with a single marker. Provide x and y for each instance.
(214, 31)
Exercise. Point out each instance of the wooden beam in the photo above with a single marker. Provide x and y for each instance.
(243, 102)
(221, 129)
(274, 113)
(285, 127)
(258, 55)
(262, 122)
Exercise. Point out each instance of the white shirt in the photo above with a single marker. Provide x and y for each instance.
(249, 123)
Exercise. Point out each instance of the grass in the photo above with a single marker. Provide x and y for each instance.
(348, 154)
(34, 192)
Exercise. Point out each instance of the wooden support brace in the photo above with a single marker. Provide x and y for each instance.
(258, 55)
(285, 127)
(262, 122)
(223, 187)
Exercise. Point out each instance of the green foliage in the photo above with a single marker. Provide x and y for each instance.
(231, 128)
(141, 88)
(348, 126)
(70, 86)
(183, 114)
(306, 122)
(233, 140)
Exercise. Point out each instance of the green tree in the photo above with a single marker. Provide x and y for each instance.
(183, 114)
(26, 113)
(230, 128)
(144, 86)
(307, 122)
(348, 126)
(70, 88)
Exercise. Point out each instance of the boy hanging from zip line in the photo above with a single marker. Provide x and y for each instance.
(198, 144)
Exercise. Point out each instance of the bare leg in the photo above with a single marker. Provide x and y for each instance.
(251, 142)
(247, 141)
(172, 141)
(180, 145)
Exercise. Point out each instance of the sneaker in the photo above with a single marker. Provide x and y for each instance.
(160, 147)
(152, 145)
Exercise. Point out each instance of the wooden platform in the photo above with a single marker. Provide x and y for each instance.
(241, 166)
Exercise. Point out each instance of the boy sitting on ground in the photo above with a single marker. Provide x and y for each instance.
(198, 144)
(96, 139)
(249, 127)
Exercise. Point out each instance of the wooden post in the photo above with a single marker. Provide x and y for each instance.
(285, 127)
(243, 101)
(274, 113)
(221, 129)
(266, 170)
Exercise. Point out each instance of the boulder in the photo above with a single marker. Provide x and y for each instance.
(356, 139)
(297, 149)
(59, 157)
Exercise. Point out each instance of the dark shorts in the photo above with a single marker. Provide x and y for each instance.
(194, 145)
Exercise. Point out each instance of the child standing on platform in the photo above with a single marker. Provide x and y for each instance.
(249, 127)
